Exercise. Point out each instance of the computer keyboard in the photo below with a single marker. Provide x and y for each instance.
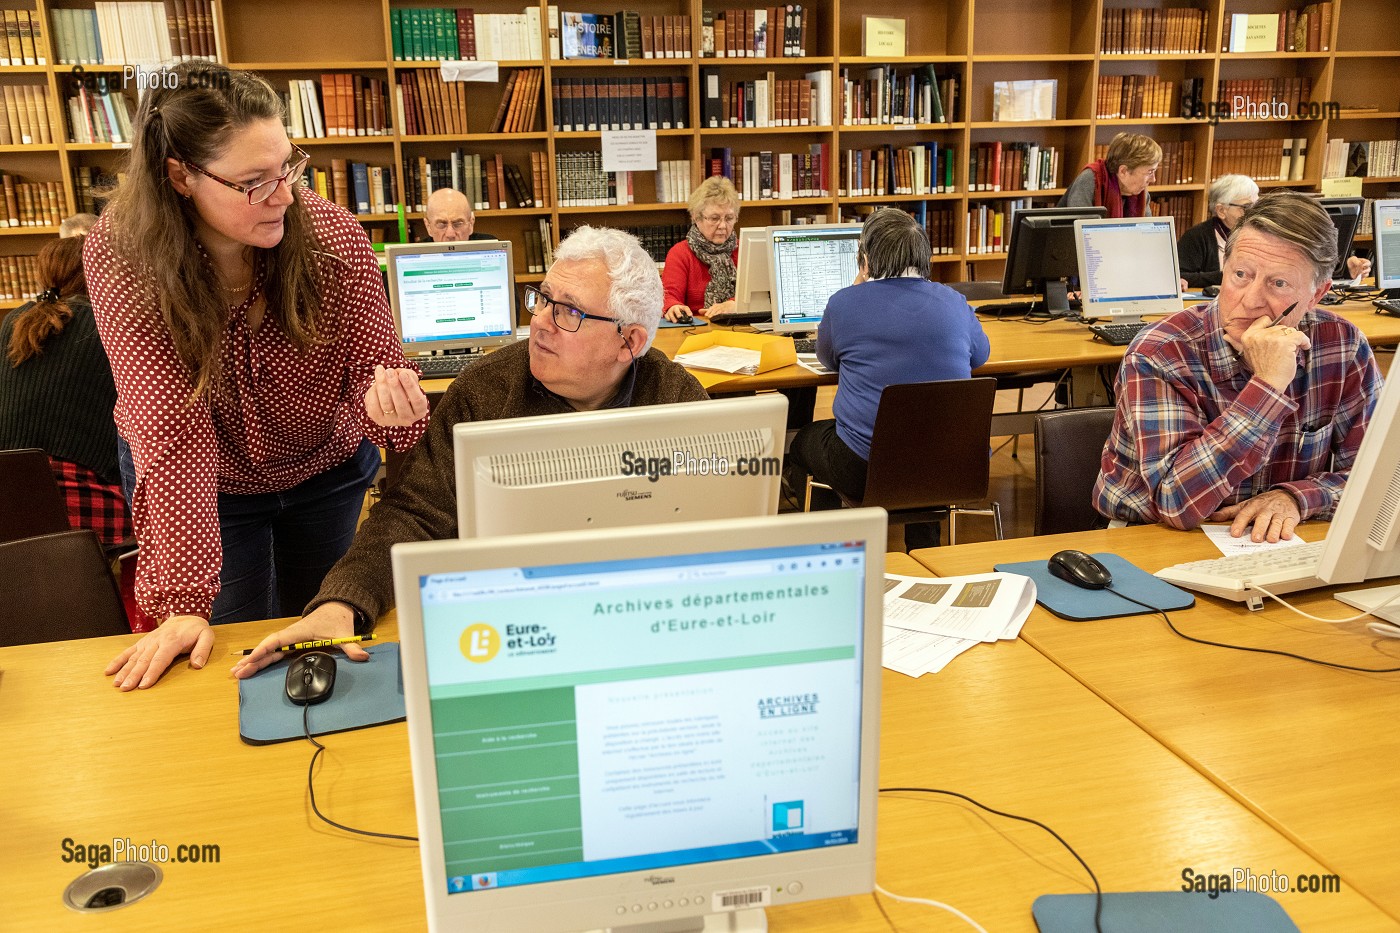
(1280, 570)
(446, 367)
(734, 318)
(805, 344)
(1118, 335)
(1389, 306)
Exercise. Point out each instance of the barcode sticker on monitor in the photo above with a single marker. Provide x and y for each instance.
(738, 900)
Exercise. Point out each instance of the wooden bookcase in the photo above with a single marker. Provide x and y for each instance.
(982, 41)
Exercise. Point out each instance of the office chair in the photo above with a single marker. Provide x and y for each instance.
(929, 453)
(57, 587)
(30, 501)
(1068, 449)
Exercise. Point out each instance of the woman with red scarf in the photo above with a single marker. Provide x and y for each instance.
(1119, 180)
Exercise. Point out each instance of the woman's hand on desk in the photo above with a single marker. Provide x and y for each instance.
(395, 399)
(328, 620)
(142, 664)
(721, 309)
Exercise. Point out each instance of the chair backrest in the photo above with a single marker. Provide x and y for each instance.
(1068, 449)
(56, 587)
(930, 446)
(30, 501)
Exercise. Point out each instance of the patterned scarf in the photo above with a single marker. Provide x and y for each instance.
(720, 259)
(1107, 193)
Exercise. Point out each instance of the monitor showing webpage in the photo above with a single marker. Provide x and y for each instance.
(452, 295)
(1387, 245)
(810, 263)
(1127, 267)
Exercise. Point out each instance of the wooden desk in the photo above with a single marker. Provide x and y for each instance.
(1314, 751)
(1002, 724)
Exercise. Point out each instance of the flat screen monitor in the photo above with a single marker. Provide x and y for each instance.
(810, 263)
(632, 466)
(1041, 258)
(1386, 232)
(1346, 215)
(636, 726)
(451, 297)
(752, 287)
(1127, 267)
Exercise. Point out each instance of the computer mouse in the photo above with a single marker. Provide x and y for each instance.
(1080, 569)
(685, 318)
(1211, 291)
(311, 678)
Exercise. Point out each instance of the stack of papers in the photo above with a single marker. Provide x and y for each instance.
(930, 621)
(809, 362)
(722, 359)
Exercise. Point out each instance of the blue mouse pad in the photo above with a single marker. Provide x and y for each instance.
(695, 323)
(1080, 605)
(366, 693)
(1163, 912)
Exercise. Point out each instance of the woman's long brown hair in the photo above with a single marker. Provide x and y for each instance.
(152, 226)
(61, 271)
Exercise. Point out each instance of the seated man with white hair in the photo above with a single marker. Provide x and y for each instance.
(593, 320)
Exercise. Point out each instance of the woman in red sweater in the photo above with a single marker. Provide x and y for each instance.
(699, 273)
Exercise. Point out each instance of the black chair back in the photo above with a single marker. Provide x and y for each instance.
(57, 587)
(30, 501)
(1068, 450)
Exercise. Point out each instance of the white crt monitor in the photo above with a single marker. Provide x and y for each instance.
(810, 262)
(633, 466)
(1127, 267)
(1387, 246)
(452, 296)
(752, 286)
(644, 726)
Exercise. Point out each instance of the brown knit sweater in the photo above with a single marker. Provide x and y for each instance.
(422, 506)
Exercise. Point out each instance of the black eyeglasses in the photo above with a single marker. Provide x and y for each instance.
(262, 190)
(566, 317)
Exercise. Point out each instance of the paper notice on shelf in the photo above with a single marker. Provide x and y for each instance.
(1219, 535)
(629, 151)
(722, 359)
(931, 620)
(470, 71)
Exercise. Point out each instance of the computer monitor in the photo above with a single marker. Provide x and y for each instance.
(452, 297)
(810, 263)
(1346, 215)
(1127, 267)
(1040, 257)
(631, 466)
(1386, 240)
(644, 725)
(752, 286)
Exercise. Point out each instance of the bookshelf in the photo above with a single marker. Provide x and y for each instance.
(977, 42)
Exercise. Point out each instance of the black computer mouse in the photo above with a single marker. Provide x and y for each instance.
(1210, 291)
(1080, 569)
(311, 678)
(685, 318)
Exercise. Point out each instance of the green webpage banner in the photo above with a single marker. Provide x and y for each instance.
(628, 715)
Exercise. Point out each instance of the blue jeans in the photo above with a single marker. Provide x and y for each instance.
(279, 546)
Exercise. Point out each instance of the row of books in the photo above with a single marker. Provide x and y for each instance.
(344, 104)
(539, 246)
(356, 186)
(657, 239)
(885, 96)
(461, 34)
(765, 32)
(1306, 30)
(1373, 158)
(1177, 206)
(579, 181)
(87, 181)
(30, 203)
(135, 32)
(99, 116)
(939, 224)
(762, 102)
(1153, 32)
(637, 36)
(1260, 98)
(22, 40)
(1134, 97)
(26, 120)
(486, 180)
(987, 225)
(1178, 165)
(925, 168)
(19, 278)
(520, 102)
(767, 175)
(630, 103)
(1261, 159)
(1013, 166)
(673, 181)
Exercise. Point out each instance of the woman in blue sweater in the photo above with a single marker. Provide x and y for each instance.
(892, 326)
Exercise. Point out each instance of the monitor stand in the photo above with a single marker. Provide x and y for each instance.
(753, 920)
(1055, 298)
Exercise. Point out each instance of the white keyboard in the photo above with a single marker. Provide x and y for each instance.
(1283, 570)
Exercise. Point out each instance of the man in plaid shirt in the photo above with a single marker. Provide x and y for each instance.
(1249, 409)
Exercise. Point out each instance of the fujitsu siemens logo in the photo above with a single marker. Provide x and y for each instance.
(633, 494)
(660, 879)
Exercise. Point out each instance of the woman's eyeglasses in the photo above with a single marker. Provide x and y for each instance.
(262, 190)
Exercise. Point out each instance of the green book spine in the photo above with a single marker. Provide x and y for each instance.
(396, 28)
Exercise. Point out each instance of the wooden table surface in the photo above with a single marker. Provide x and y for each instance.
(1314, 751)
(1002, 723)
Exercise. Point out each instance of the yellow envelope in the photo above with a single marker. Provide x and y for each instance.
(775, 352)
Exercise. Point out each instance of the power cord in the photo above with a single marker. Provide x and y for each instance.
(1098, 891)
(311, 786)
(926, 902)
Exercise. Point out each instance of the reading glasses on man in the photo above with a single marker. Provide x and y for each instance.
(566, 317)
(262, 190)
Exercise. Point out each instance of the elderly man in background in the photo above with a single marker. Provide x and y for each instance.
(449, 217)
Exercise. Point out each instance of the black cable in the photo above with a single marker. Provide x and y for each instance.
(1282, 654)
(1098, 891)
(311, 786)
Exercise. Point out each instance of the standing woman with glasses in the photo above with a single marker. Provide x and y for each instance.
(699, 273)
(255, 361)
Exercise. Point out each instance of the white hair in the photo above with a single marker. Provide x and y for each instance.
(635, 293)
(1228, 189)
